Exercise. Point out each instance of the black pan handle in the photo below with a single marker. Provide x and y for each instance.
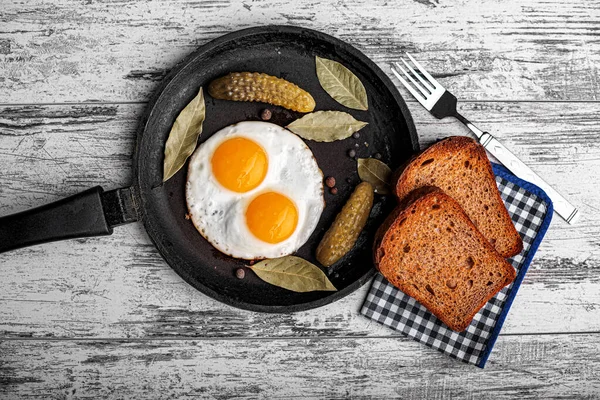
(90, 213)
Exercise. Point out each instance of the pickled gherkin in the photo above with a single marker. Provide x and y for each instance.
(341, 236)
(256, 86)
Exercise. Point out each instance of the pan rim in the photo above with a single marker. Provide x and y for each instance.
(178, 69)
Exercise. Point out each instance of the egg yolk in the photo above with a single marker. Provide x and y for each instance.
(272, 217)
(239, 164)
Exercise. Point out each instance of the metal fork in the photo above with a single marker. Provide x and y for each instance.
(441, 103)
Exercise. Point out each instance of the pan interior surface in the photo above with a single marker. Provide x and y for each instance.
(289, 53)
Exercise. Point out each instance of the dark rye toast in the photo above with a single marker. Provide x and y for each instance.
(430, 250)
(460, 167)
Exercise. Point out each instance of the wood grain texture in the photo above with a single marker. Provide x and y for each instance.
(64, 51)
(524, 367)
(119, 286)
(107, 318)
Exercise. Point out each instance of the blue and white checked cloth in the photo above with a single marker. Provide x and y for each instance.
(531, 211)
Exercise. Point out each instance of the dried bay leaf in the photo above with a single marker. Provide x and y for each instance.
(293, 273)
(341, 84)
(377, 173)
(184, 136)
(326, 126)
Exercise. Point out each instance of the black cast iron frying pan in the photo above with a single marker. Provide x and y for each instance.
(283, 51)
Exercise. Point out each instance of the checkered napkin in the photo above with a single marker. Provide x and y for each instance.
(531, 211)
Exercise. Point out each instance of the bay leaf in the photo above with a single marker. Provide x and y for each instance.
(377, 173)
(341, 84)
(326, 126)
(293, 273)
(184, 135)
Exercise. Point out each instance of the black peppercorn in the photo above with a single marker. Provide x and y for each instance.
(240, 273)
(266, 114)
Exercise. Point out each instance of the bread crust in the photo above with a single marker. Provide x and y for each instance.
(399, 230)
(459, 165)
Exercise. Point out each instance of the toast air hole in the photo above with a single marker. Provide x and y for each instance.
(470, 262)
(429, 289)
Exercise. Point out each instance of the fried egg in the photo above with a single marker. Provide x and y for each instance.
(254, 190)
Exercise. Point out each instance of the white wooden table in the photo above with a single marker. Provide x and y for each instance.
(106, 317)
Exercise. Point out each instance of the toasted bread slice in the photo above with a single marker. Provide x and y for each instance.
(459, 166)
(431, 251)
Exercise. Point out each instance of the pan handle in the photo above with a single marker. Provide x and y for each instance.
(93, 212)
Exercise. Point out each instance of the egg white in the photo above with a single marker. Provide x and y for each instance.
(219, 213)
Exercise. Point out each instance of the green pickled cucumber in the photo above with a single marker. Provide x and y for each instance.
(348, 224)
(255, 86)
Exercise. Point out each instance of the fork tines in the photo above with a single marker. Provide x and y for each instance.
(429, 90)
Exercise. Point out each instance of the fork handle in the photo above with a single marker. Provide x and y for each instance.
(565, 209)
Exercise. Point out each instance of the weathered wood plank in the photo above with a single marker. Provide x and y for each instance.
(50, 152)
(67, 51)
(527, 367)
(119, 286)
